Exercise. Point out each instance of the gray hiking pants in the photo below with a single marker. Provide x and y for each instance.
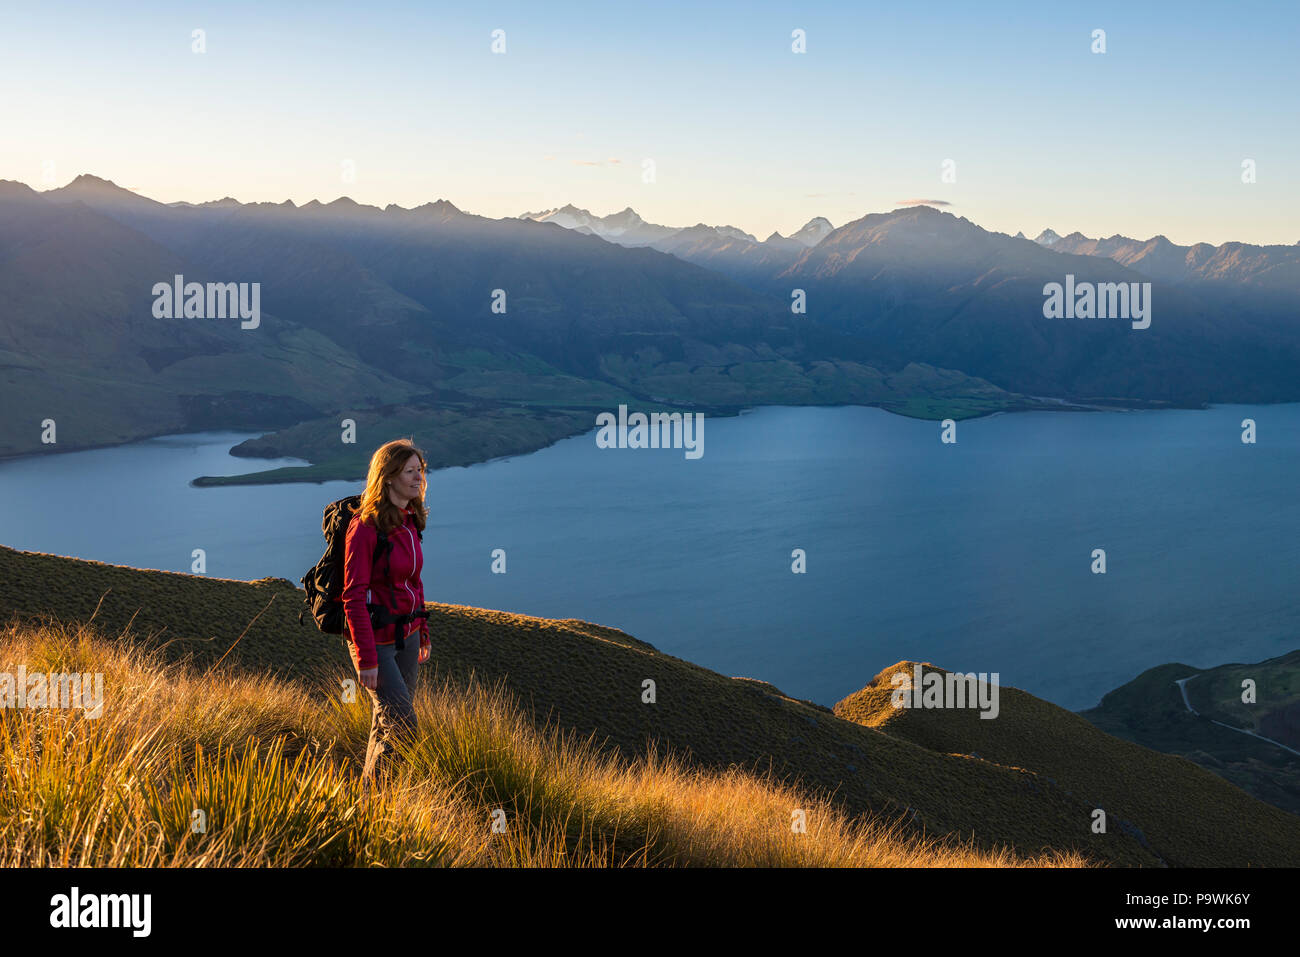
(392, 704)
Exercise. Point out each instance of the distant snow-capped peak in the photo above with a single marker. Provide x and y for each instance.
(813, 231)
(628, 228)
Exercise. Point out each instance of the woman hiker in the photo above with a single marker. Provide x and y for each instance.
(381, 595)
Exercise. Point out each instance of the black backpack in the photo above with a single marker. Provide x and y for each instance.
(324, 581)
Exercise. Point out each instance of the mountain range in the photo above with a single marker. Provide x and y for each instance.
(492, 336)
(628, 229)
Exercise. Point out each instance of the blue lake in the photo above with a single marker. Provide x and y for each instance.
(976, 556)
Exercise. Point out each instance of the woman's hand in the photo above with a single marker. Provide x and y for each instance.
(369, 677)
(425, 648)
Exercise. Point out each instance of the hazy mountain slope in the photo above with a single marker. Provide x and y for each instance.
(1276, 267)
(922, 285)
(1243, 284)
(745, 260)
(80, 344)
(723, 248)
(426, 279)
(625, 227)
(407, 296)
(914, 310)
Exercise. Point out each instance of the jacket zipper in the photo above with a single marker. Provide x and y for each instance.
(407, 584)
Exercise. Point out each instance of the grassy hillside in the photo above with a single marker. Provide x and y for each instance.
(1150, 711)
(222, 768)
(1179, 811)
(585, 679)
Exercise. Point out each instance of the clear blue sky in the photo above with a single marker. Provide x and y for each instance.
(1147, 138)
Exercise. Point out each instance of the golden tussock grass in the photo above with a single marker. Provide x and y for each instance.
(194, 768)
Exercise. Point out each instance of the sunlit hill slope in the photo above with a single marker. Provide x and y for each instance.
(217, 683)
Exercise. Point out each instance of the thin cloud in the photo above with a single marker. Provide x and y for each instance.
(608, 162)
(923, 202)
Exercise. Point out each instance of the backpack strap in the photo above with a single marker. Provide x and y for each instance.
(380, 615)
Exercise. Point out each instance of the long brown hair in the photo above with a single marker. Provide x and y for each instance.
(385, 465)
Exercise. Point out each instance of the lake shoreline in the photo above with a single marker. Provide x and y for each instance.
(1038, 404)
(326, 474)
(971, 554)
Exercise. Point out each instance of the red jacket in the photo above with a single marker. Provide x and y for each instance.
(394, 583)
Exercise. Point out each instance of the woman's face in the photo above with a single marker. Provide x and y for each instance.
(410, 481)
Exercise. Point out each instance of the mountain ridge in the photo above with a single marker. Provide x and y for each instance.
(412, 303)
